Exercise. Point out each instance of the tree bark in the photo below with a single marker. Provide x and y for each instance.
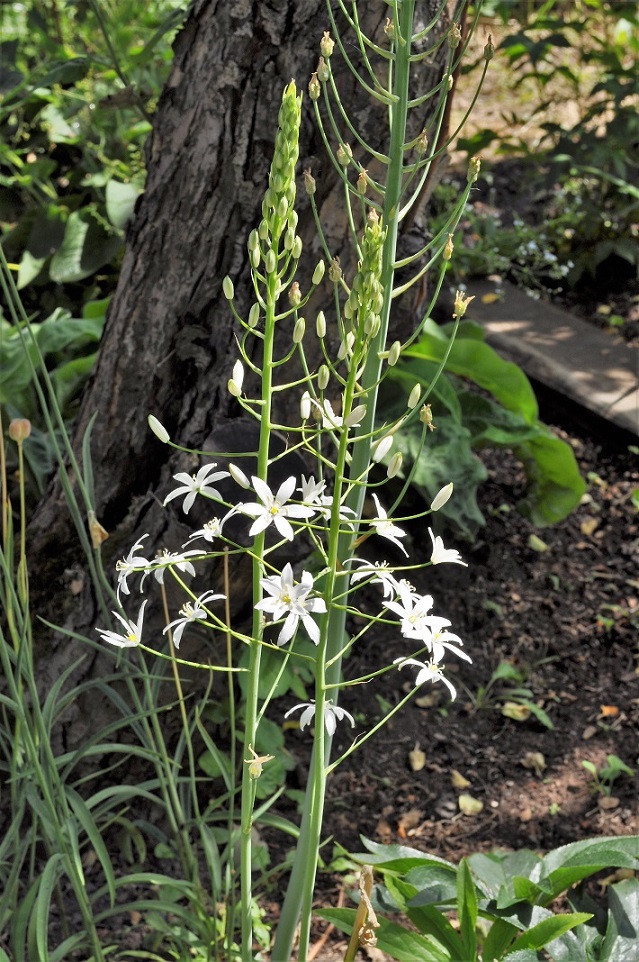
(169, 342)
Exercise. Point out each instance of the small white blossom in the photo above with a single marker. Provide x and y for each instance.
(191, 611)
(291, 600)
(386, 529)
(274, 509)
(330, 420)
(210, 530)
(332, 714)
(441, 554)
(442, 497)
(428, 671)
(132, 631)
(413, 610)
(168, 559)
(130, 565)
(380, 574)
(200, 483)
(440, 639)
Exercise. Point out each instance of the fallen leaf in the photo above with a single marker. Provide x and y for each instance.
(534, 761)
(589, 732)
(537, 544)
(416, 758)
(589, 526)
(608, 802)
(608, 711)
(383, 829)
(458, 780)
(525, 815)
(469, 805)
(490, 298)
(516, 711)
(409, 820)
(604, 309)
(135, 917)
(427, 701)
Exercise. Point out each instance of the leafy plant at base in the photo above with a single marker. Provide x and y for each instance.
(603, 778)
(500, 903)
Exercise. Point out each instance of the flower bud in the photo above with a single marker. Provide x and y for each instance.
(474, 166)
(318, 273)
(323, 376)
(381, 449)
(442, 497)
(254, 315)
(254, 240)
(298, 330)
(158, 429)
(282, 207)
(422, 144)
(449, 82)
(362, 183)
(346, 346)
(254, 257)
(20, 429)
(489, 50)
(309, 182)
(305, 406)
(454, 36)
(395, 465)
(228, 289)
(314, 89)
(393, 354)
(320, 325)
(270, 262)
(356, 416)
(327, 45)
(236, 380)
(335, 271)
(449, 248)
(344, 154)
(239, 477)
(294, 294)
(262, 232)
(426, 417)
(323, 72)
(414, 396)
(297, 247)
(389, 28)
(461, 303)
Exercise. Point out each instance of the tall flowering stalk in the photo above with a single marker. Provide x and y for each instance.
(337, 433)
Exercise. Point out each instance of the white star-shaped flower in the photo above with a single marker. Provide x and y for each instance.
(193, 484)
(413, 609)
(378, 573)
(386, 529)
(291, 600)
(132, 631)
(273, 509)
(429, 671)
(332, 714)
(168, 559)
(191, 611)
(441, 554)
(130, 565)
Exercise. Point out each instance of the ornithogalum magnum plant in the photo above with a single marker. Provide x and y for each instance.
(337, 434)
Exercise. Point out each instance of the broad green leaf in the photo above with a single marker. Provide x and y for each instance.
(86, 247)
(399, 858)
(467, 908)
(539, 935)
(621, 939)
(434, 884)
(555, 486)
(120, 202)
(29, 269)
(495, 872)
(501, 935)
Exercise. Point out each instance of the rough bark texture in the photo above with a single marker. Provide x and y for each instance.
(169, 343)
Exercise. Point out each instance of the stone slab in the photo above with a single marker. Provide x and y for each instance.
(597, 370)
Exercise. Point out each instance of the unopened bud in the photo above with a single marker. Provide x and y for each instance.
(239, 477)
(309, 182)
(474, 166)
(270, 263)
(228, 289)
(449, 248)
(254, 315)
(454, 36)
(294, 294)
(381, 449)
(461, 303)
(393, 354)
(449, 81)
(489, 50)
(262, 232)
(318, 273)
(157, 427)
(254, 257)
(389, 28)
(395, 465)
(356, 416)
(327, 45)
(305, 406)
(299, 330)
(442, 497)
(20, 429)
(346, 347)
(426, 417)
(254, 240)
(320, 325)
(297, 247)
(236, 380)
(335, 271)
(323, 72)
(323, 376)
(422, 144)
(362, 183)
(314, 88)
(414, 396)
(344, 154)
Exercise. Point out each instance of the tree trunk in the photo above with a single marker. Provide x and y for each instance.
(168, 346)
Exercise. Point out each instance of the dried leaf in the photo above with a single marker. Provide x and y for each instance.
(608, 802)
(589, 732)
(589, 526)
(534, 761)
(608, 711)
(490, 298)
(416, 758)
(458, 780)
(516, 711)
(469, 805)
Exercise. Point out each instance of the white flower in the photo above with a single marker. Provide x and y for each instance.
(441, 554)
(380, 574)
(332, 714)
(130, 565)
(237, 379)
(293, 601)
(239, 477)
(312, 492)
(429, 671)
(440, 639)
(386, 529)
(168, 559)
(132, 631)
(413, 609)
(191, 611)
(273, 509)
(442, 497)
(210, 530)
(330, 420)
(200, 483)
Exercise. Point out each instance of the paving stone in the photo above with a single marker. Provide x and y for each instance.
(599, 371)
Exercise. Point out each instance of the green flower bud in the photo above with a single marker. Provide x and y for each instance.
(314, 89)
(327, 45)
(318, 273)
(294, 294)
(323, 72)
(323, 377)
(395, 465)
(158, 429)
(297, 248)
(228, 289)
(393, 354)
(254, 240)
(270, 262)
(299, 330)
(305, 406)
(254, 315)
(309, 182)
(489, 50)
(254, 257)
(414, 396)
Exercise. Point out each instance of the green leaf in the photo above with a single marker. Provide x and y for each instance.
(501, 934)
(396, 941)
(622, 932)
(120, 202)
(40, 921)
(29, 269)
(86, 247)
(569, 864)
(399, 858)
(467, 908)
(92, 832)
(539, 935)
(555, 486)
